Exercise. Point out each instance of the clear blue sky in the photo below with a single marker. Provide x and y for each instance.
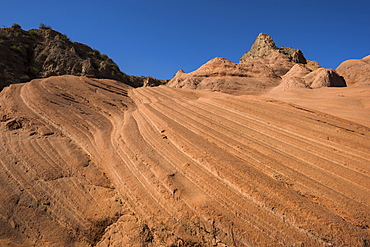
(157, 38)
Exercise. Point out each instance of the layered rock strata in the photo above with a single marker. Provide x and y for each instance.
(88, 162)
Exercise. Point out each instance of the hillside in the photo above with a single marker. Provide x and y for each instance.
(44, 52)
(93, 162)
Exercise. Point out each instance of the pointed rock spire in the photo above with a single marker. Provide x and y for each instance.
(264, 46)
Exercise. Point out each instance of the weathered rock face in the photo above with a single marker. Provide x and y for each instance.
(263, 67)
(40, 53)
(264, 46)
(295, 78)
(324, 78)
(145, 81)
(301, 77)
(355, 71)
(220, 74)
(259, 70)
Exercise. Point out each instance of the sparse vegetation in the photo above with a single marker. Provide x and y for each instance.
(26, 52)
(17, 26)
(16, 48)
(65, 38)
(104, 56)
(24, 78)
(43, 26)
(113, 66)
(97, 52)
(33, 32)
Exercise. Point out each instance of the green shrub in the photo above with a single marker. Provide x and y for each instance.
(104, 57)
(97, 52)
(24, 78)
(43, 26)
(33, 32)
(113, 66)
(17, 26)
(16, 48)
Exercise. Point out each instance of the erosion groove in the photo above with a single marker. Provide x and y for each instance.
(88, 162)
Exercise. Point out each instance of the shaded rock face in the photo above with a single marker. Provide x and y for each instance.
(145, 81)
(264, 46)
(325, 78)
(356, 71)
(40, 53)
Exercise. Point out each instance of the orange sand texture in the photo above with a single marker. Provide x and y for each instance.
(88, 162)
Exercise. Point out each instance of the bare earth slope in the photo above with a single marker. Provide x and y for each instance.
(352, 103)
(91, 162)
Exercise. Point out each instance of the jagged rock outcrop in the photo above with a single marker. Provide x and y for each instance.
(40, 53)
(264, 46)
(145, 81)
(355, 71)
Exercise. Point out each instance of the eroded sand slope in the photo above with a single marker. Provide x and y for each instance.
(95, 162)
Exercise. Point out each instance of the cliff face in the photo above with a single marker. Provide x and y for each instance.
(40, 53)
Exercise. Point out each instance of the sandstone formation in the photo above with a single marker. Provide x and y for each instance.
(220, 74)
(259, 70)
(351, 103)
(40, 53)
(324, 78)
(94, 162)
(300, 76)
(356, 71)
(264, 46)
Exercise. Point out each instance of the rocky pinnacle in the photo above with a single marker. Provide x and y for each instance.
(264, 46)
